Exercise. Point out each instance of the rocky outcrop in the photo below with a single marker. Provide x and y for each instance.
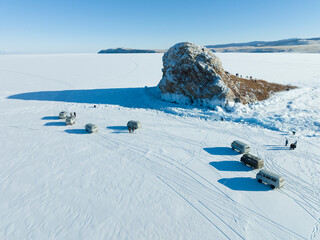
(194, 75)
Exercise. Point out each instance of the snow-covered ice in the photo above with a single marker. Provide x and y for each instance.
(176, 177)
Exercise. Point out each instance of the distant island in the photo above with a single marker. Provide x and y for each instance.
(295, 45)
(131, 50)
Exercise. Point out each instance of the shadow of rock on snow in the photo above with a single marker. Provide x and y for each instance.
(230, 166)
(126, 97)
(76, 131)
(244, 184)
(221, 151)
(50, 118)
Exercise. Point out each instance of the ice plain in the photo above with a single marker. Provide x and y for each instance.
(176, 177)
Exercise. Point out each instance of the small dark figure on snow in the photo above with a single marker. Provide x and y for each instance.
(94, 106)
(293, 145)
(74, 114)
(294, 132)
(286, 142)
(222, 119)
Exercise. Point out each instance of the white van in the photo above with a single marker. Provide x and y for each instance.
(134, 124)
(70, 120)
(62, 115)
(273, 179)
(240, 146)
(252, 161)
(91, 128)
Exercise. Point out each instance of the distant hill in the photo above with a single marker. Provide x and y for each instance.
(299, 45)
(303, 45)
(131, 50)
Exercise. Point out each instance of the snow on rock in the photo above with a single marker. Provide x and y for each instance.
(194, 75)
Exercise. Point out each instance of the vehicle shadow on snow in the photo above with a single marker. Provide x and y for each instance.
(277, 147)
(76, 131)
(55, 124)
(244, 184)
(235, 166)
(118, 129)
(50, 118)
(221, 151)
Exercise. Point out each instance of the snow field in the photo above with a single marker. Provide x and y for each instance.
(175, 178)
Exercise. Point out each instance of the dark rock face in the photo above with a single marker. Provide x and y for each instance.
(194, 75)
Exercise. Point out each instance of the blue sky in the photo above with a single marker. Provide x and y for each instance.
(70, 26)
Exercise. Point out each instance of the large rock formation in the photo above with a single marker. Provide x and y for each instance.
(194, 75)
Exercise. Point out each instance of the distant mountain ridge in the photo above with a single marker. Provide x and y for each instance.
(131, 50)
(299, 45)
(303, 45)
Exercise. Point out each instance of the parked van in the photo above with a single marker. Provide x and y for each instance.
(70, 120)
(134, 124)
(91, 128)
(252, 161)
(62, 115)
(240, 146)
(273, 179)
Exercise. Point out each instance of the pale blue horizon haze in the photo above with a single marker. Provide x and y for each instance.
(58, 26)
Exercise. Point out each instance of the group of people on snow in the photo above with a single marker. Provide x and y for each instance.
(292, 145)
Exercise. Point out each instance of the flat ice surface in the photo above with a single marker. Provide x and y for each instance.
(176, 177)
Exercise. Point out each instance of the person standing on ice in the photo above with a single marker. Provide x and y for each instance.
(293, 145)
(286, 142)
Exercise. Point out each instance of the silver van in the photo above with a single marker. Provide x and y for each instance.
(273, 179)
(91, 128)
(63, 115)
(70, 120)
(133, 124)
(252, 161)
(240, 146)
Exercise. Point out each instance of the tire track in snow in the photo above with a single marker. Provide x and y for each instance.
(194, 207)
(215, 192)
(315, 230)
(27, 155)
(297, 189)
(38, 76)
(161, 172)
